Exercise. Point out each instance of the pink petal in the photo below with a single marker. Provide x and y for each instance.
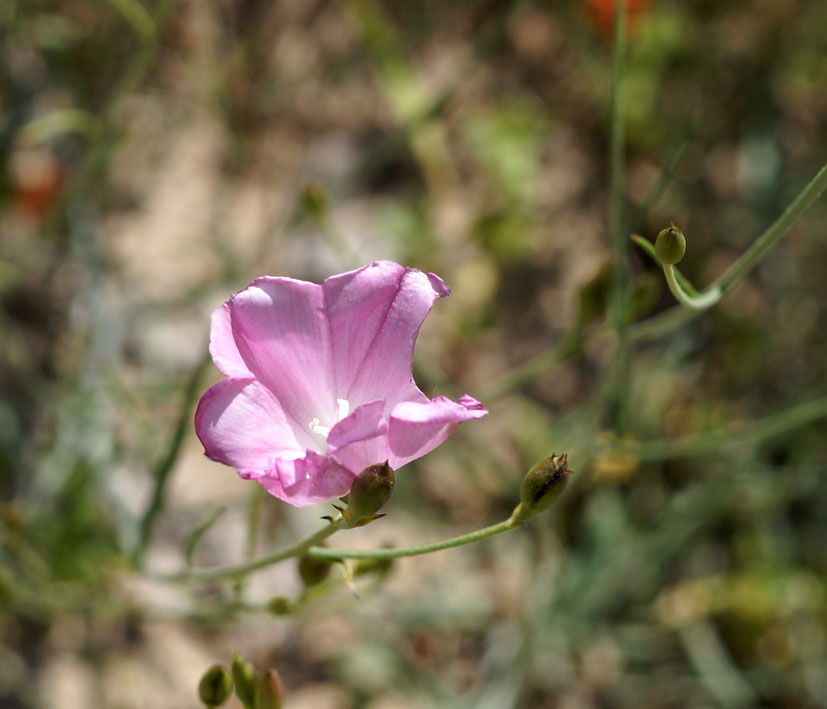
(417, 428)
(282, 335)
(375, 314)
(241, 424)
(361, 439)
(308, 481)
(223, 348)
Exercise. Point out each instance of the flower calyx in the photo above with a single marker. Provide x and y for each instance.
(370, 491)
(541, 486)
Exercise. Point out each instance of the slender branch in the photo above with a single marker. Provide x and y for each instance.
(713, 663)
(253, 519)
(534, 367)
(753, 432)
(164, 468)
(226, 572)
(660, 324)
(668, 320)
(665, 177)
(748, 260)
(776, 230)
(697, 444)
(702, 301)
(616, 165)
(504, 526)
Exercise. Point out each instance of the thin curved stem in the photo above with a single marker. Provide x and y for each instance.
(649, 249)
(775, 231)
(504, 526)
(164, 468)
(696, 302)
(750, 258)
(664, 322)
(226, 572)
(711, 441)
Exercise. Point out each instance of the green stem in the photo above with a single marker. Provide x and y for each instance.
(616, 166)
(527, 372)
(668, 320)
(648, 450)
(768, 239)
(660, 324)
(710, 442)
(750, 258)
(665, 177)
(225, 572)
(164, 468)
(504, 526)
(702, 301)
(253, 520)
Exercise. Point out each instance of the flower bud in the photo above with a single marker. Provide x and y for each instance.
(215, 686)
(670, 246)
(370, 490)
(269, 692)
(314, 202)
(279, 605)
(244, 675)
(542, 485)
(372, 566)
(313, 570)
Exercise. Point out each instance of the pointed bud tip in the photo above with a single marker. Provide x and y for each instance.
(670, 246)
(269, 691)
(215, 686)
(244, 675)
(370, 491)
(543, 484)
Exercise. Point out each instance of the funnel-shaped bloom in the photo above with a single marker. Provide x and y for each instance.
(319, 381)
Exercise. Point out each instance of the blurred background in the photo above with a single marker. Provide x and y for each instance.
(156, 155)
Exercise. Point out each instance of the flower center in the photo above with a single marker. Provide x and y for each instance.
(342, 410)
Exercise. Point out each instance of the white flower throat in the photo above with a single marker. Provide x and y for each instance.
(342, 410)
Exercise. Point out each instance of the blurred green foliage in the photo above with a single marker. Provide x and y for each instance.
(157, 155)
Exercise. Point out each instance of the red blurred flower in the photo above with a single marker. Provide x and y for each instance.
(602, 14)
(36, 180)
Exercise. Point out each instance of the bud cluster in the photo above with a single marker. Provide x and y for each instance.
(255, 690)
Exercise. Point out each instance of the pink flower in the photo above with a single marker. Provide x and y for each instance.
(319, 382)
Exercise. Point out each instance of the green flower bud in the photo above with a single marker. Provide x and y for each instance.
(542, 485)
(313, 570)
(670, 246)
(244, 675)
(371, 489)
(279, 605)
(314, 202)
(215, 686)
(372, 566)
(269, 692)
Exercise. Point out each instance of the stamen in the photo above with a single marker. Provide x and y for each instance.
(317, 428)
(342, 410)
